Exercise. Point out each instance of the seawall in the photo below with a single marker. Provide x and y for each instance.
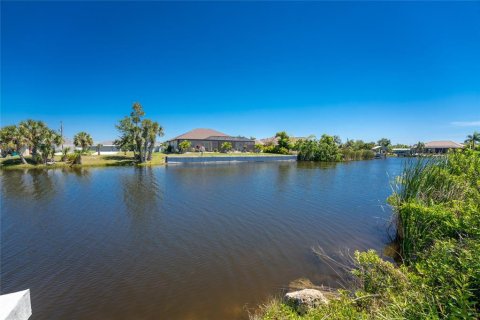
(201, 159)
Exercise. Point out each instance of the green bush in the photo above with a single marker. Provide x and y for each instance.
(324, 149)
(437, 204)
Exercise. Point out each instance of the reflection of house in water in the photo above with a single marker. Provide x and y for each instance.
(440, 147)
(212, 140)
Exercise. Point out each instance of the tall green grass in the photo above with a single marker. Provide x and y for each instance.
(437, 215)
(350, 154)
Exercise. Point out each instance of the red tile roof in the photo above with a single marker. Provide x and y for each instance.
(200, 134)
(443, 145)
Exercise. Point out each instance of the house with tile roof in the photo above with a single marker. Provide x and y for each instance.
(212, 140)
(441, 146)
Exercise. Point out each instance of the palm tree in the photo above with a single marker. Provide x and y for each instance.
(83, 140)
(472, 139)
(33, 132)
(420, 147)
(65, 152)
(49, 139)
(11, 138)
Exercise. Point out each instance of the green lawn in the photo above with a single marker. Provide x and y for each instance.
(93, 160)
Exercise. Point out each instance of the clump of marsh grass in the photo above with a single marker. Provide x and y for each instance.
(437, 205)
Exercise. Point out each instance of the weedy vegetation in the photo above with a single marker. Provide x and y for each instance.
(437, 218)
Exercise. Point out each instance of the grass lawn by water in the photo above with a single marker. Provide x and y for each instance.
(94, 160)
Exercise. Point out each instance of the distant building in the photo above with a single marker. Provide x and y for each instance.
(107, 147)
(212, 140)
(380, 151)
(441, 146)
(402, 152)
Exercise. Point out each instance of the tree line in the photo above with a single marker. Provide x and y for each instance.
(137, 134)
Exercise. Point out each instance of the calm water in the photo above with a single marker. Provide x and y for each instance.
(184, 241)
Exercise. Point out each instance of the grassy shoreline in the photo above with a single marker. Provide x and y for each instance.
(91, 161)
(116, 160)
(437, 217)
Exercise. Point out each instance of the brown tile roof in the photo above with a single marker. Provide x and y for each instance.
(443, 144)
(200, 134)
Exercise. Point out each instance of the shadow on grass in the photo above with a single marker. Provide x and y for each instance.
(119, 158)
(16, 161)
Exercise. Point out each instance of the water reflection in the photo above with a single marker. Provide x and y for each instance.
(141, 191)
(83, 173)
(130, 243)
(36, 184)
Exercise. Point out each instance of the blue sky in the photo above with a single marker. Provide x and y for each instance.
(408, 71)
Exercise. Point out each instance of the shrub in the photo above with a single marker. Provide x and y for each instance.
(226, 147)
(184, 146)
(437, 204)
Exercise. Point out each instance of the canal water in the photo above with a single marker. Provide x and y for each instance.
(183, 241)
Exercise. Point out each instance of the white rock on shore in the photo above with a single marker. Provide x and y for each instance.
(305, 299)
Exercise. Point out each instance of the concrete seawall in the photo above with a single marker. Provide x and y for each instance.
(230, 159)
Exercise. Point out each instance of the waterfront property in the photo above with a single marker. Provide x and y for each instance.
(212, 140)
(440, 147)
(402, 152)
(380, 151)
(106, 147)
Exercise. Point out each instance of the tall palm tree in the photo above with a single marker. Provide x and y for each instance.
(33, 132)
(472, 139)
(11, 138)
(50, 139)
(83, 140)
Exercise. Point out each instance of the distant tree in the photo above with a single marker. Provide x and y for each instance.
(324, 149)
(83, 140)
(11, 139)
(138, 134)
(283, 140)
(33, 133)
(337, 140)
(65, 152)
(401, 145)
(150, 131)
(472, 139)
(184, 146)
(75, 157)
(50, 139)
(226, 147)
(384, 142)
(420, 147)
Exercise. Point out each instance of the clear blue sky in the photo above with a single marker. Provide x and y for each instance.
(407, 71)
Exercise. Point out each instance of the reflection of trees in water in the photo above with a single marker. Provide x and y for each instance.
(141, 191)
(284, 170)
(79, 172)
(38, 184)
(27, 184)
(316, 165)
